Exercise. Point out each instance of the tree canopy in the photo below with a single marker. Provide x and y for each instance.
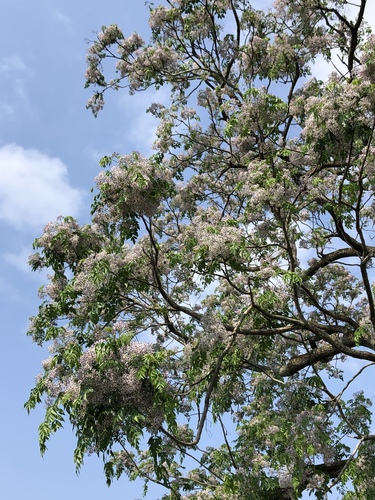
(224, 286)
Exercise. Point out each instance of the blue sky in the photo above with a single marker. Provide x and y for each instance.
(50, 146)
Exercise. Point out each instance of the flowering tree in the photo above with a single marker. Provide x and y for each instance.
(225, 283)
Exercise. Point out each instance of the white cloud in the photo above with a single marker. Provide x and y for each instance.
(34, 188)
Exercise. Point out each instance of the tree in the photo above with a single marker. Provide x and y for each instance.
(224, 284)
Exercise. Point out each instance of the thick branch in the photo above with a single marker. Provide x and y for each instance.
(320, 354)
(328, 258)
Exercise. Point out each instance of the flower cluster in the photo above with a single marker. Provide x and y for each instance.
(135, 185)
(65, 241)
(107, 380)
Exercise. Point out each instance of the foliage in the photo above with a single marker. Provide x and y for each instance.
(224, 284)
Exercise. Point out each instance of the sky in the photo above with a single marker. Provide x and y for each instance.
(50, 146)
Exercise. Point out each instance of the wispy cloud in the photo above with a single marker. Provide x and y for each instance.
(13, 64)
(19, 259)
(14, 77)
(6, 110)
(34, 188)
(63, 20)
